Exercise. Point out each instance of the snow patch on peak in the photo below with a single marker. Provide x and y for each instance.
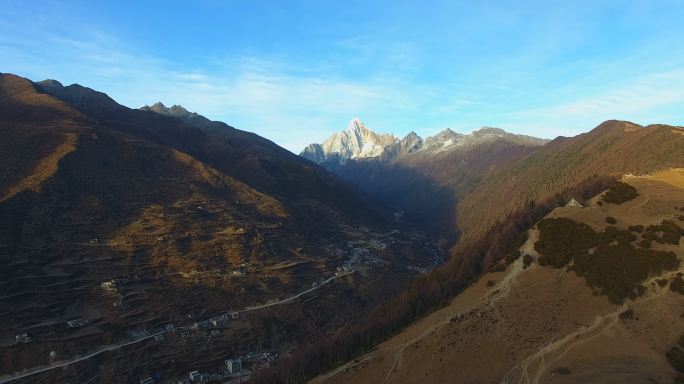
(356, 125)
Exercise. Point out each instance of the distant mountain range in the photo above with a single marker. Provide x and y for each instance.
(191, 118)
(360, 142)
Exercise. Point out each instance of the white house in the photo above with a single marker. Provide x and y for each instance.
(234, 365)
(22, 338)
(573, 203)
(195, 376)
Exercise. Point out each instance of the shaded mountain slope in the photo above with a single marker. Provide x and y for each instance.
(243, 155)
(131, 220)
(427, 178)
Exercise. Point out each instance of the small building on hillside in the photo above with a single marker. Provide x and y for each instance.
(219, 321)
(195, 376)
(22, 338)
(234, 365)
(573, 203)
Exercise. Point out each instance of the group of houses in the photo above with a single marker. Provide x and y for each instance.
(233, 367)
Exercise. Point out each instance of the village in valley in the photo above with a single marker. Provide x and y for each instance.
(127, 311)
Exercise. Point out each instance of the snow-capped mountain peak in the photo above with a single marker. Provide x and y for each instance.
(360, 142)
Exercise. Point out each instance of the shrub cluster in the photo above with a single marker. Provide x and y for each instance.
(675, 356)
(670, 233)
(615, 267)
(512, 256)
(677, 285)
(561, 239)
(628, 314)
(645, 243)
(527, 260)
(612, 233)
(619, 269)
(619, 193)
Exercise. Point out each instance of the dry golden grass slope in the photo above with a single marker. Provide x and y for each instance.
(46, 134)
(545, 325)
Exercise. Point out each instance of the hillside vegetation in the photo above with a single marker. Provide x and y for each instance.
(614, 148)
(620, 193)
(608, 261)
(602, 309)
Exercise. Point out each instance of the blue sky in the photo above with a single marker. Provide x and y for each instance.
(296, 71)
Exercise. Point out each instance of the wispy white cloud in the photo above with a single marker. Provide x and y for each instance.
(266, 97)
(538, 84)
(643, 99)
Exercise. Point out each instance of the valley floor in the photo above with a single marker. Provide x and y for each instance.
(545, 325)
